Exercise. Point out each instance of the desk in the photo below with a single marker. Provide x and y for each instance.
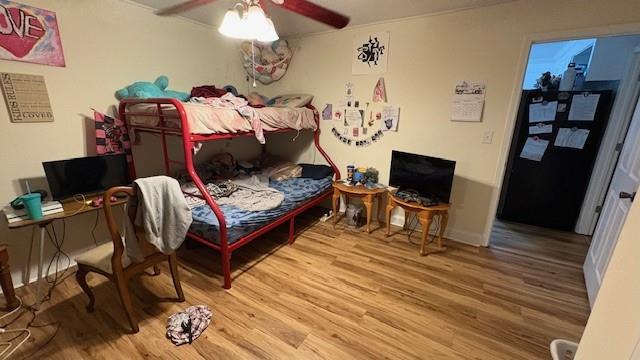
(71, 209)
(359, 191)
(425, 214)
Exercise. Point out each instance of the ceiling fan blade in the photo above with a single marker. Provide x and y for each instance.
(182, 7)
(315, 12)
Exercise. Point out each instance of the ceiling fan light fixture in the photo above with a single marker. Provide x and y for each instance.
(270, 34)
(232, 25)
(248, 23)
(255, 21)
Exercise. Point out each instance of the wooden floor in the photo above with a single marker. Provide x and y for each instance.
(334, 294)
(550, 245)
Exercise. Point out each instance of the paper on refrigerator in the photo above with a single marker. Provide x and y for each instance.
(572, 138)
(583, 107)
(534, 149)
(544, 111)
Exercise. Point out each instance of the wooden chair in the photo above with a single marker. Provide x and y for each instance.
(106, 259)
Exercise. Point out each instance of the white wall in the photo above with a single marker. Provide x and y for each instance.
(611, 57)
(107, 44)
(428, 55)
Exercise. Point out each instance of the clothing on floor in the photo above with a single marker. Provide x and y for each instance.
(162, 212)
(229, 101)
(185, 327)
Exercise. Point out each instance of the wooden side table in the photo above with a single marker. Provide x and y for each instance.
(367, 195)
(425, 214)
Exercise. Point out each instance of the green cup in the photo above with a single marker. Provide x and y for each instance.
(32, 205)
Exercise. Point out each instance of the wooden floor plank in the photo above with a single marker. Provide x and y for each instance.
(339, 293)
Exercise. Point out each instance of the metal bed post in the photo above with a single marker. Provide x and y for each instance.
(188, 146)
(163, 134)
(316, 141)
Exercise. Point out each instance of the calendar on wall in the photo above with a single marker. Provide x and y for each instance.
(468, 101)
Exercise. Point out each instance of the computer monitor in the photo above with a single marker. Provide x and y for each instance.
(86, 175)
(431, 177)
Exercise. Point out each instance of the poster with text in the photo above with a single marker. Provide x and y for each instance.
(29, 34)
(370, 53)
(26, 97)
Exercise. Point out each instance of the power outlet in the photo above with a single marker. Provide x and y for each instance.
(487, 137)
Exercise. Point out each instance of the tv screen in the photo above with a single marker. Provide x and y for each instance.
(86, 175)
(431, 177)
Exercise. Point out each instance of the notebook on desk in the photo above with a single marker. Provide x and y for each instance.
(48, 208)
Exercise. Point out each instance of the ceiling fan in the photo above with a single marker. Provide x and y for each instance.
(302, 7)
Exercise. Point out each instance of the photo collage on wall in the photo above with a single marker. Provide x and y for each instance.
(362, 124)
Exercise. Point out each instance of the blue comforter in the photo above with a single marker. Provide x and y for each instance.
(241, 222)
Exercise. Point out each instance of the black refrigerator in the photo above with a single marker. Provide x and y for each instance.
(549, 191)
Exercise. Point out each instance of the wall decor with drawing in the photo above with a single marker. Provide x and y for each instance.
(370, 53)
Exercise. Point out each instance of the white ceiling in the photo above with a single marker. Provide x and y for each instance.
(360, 11)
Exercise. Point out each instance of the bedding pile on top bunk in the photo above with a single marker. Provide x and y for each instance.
(226, 113)
(262, 193)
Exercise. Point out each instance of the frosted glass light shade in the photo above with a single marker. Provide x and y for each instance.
(256, 22)
(232, 26)
(251, 24)
(270, 34)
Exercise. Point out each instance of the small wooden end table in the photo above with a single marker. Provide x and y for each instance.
(359, 191)
(426, 214)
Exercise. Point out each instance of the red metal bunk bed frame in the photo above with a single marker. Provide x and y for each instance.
(189, 141)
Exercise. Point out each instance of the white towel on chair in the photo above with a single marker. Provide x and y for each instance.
(163, 213)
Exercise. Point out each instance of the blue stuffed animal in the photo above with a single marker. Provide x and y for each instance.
(146, 90)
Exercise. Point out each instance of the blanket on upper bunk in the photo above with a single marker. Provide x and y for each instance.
(204, 119)
(230, 101)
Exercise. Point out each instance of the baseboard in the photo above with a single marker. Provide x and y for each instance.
(457, 235)
(18, 275)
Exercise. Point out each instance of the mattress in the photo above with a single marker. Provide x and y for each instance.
(242, 222)
(204, 119)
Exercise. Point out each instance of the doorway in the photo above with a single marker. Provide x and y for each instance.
(562, 153)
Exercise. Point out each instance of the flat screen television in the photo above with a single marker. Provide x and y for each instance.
(431, 177)
(86, 175)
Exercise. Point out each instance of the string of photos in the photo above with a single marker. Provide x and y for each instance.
(358, 125)
(358, 143)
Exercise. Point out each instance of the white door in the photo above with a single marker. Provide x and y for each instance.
(624, 185)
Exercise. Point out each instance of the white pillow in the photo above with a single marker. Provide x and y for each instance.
(291, 101)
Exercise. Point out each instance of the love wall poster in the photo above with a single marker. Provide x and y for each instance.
(29, 34)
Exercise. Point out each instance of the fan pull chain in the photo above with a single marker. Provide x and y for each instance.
(253, 63)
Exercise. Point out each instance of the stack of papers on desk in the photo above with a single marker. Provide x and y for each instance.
(48, 208)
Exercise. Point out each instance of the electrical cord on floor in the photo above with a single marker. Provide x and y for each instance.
(415, 225)
(412, 228)
(3, 330)
(27, 309)
(57, 257)
(95, 226)
(58, 277)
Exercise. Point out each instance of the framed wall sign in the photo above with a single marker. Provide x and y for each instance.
(26, 97)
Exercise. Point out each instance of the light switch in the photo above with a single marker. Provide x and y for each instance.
(487, 137)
